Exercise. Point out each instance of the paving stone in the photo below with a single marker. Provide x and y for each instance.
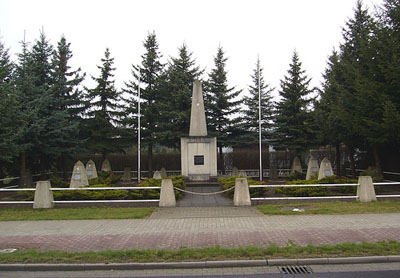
(205, 228)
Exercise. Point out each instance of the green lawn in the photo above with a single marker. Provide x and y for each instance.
(20, 214)
(387, 206)
(214, 253)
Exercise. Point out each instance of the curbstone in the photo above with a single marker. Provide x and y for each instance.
(202, 264)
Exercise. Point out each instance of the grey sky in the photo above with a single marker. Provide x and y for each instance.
(245, 29)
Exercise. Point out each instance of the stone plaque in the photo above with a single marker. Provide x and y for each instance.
(199, 160)
(77, 177)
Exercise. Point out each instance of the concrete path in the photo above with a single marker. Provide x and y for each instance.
(194, 200)
(199, 227)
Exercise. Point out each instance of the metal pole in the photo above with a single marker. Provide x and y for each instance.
(259, 117)
(138, 172)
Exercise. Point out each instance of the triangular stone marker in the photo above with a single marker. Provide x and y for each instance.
(157, 175)
(325, 169)
(79, 178)
(127, 175)
(91, 171)
(296, 166)
(312, 168)
(163, 173)
(106, 167)
(235, 172)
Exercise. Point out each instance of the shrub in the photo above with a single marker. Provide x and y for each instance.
(296, 176)
(317, 191)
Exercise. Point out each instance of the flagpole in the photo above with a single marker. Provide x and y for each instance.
(259, 116)
(138, 173)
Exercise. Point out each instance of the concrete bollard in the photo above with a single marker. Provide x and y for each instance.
(241, 196)
(167, 196)
(43, 195)
(365, 189)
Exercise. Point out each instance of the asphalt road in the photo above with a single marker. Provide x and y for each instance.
(384, 270)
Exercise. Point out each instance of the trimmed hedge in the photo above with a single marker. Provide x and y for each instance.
(318, 191)
(70, 195)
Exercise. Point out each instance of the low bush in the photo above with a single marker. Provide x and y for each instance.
(70, 195)
(296, 176)
(229, 182)
(318, 191)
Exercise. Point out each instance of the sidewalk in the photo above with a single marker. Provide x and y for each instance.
(173, 228)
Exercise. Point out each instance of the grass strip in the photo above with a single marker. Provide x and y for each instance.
(23, 214)
(337, 207)
(214, 253)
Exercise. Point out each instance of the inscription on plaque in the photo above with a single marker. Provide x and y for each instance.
(199, 160)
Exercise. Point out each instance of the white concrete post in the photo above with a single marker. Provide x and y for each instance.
(167, 196)
(365, 189)
(43, 195)
(241, 196)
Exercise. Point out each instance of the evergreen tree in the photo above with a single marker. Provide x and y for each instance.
(221, 106)
(151, 72)
(103, 125)
(176, 102)
(250, 118)
(293, 123)
(27, 109)
(70, 100)
(8, 108)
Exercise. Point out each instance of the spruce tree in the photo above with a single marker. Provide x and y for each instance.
(103, 125)
(292, 120)
(250, 118)
(8, 108)
(151, 72)
(221, 106)
(176, 102)
(70, 100)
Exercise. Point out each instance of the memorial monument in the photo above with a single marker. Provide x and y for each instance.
(79, 178)
(91, 171)
(198, 151)
(312, 168)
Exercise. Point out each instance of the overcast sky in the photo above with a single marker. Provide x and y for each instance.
(269, 28)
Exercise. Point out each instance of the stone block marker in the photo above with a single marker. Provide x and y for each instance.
(312, 168)
(235, 172)
(163, 173)
(167, 196)
(241, 196)
(325, 170)
(157, 175)
(273, 173)
(365, 189)
(79, 178)
(106, 167)
(127, 175)
(43, 195)
(296, 166)
(242, 173)
(91, 171)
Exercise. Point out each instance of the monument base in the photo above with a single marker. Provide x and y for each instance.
(199, 157)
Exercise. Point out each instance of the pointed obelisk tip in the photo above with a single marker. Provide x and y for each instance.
(198, 125)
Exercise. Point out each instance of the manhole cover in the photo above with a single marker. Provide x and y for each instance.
(297, 269)
(8, 250)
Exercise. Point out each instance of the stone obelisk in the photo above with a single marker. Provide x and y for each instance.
(198, 151)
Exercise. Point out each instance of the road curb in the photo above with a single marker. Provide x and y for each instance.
(204, 264)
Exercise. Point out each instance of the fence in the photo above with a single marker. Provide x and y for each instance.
(83, 201)
(318, 185)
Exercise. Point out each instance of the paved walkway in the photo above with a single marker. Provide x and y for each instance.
(199, 227)
(194, 200)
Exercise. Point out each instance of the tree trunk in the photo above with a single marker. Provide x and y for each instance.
(352, 163)
(42, 168)
(22, 171)
(338, 159)
(377, 161)
(150, 160)
(221, 160)
(64, 167)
